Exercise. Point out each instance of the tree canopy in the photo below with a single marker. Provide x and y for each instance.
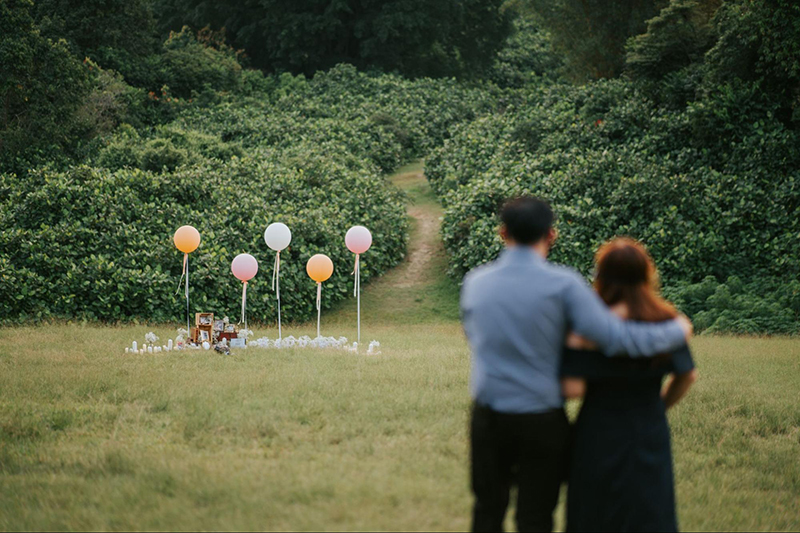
(591, 34)
(42, 86)
(414, 37)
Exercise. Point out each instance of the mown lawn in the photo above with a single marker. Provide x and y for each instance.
(298, 439)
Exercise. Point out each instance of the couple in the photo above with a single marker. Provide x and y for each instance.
(538, 333)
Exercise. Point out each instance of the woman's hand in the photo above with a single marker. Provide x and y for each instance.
(677, 387)
(573, 387)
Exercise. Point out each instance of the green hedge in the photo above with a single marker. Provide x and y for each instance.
(97, 244)
(712, 189)
(384, 118)
(95, 241)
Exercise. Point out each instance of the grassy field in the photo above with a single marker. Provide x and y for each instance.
(319, 440)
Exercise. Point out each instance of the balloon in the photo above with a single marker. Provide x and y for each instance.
(244, 267)
(358, 239)
(278, 236)
(187, 239)
(319, 267)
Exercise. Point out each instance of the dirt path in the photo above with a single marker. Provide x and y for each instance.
(424, 243)
(422, 249)
(418, 289)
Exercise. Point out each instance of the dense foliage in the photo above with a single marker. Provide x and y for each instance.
(100, 29)
(527, 57)
(612, 162)
(42, 87)
(97, 244)
(94, 241)
(112, 131)
(591, 34)
(700, 161)
(415, 37)
(55, 101)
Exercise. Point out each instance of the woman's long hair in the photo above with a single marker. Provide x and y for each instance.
(627, 274)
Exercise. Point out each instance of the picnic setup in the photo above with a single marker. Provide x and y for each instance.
(223, 334)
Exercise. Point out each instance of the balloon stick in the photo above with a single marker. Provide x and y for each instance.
(357, 290)
(319, 304)
(244, 303)
(276, 286)
(188, 317)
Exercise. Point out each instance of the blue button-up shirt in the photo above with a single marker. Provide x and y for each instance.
(517, 312)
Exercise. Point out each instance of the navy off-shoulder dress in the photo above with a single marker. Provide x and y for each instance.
(621, 471)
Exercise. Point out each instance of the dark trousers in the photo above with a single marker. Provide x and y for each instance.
(526, 450)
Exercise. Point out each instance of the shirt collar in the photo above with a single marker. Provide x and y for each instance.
(516, 254)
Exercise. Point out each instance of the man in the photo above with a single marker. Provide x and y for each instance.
(517, 312)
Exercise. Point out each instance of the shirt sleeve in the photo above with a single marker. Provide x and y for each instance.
(682, 361)
(589, 316)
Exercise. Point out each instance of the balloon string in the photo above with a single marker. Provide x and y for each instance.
(183, 272)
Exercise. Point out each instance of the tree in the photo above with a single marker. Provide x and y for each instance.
(678, 37)
(527, 55)
(42, 86)
(415, 37)
(592, 33)
(759, 42)
(100, 29)
(716, 45)
(188, 64)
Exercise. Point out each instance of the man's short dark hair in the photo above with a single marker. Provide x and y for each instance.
(527, 219)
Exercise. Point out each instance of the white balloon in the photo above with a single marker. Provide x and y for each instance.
(358, 239)
(277, 236)
(206, 345)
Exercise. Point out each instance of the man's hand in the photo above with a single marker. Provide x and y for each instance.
(576, 342)
(686, 325)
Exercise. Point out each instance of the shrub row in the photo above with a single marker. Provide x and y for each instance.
(95, 241)
(97, 244)
(713, 189)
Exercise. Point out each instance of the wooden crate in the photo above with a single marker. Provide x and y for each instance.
(198, 337)
(204, 319)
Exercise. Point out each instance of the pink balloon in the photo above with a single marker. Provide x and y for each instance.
(244, 267)
(358, 239)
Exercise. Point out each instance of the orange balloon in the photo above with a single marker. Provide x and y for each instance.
(319, 267)
(187, 239)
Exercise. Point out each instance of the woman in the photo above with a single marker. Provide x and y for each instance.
(621, 473)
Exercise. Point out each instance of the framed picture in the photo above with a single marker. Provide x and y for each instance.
(219, 325)
(230, 328)
(204, 335)
(237, 343)
(204, 319)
